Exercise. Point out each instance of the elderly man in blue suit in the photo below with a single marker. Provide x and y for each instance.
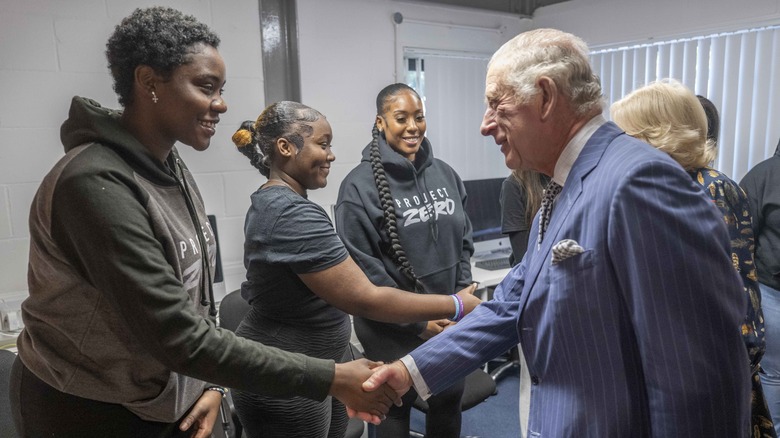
(626, 305)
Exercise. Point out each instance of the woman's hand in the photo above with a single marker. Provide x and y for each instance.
(202, 415)
(347, 386)
(434, 328)
(469, 300)
(393, 376)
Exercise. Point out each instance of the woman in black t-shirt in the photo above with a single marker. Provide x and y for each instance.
(521, 197)
(300, 278)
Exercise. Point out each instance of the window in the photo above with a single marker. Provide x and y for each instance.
(415, 75)
(735, 70)
(452, 86)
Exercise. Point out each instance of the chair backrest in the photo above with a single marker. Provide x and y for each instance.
(7, 427)
(232, 309)
(478, 387)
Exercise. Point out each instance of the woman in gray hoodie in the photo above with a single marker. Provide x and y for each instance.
(119, 337)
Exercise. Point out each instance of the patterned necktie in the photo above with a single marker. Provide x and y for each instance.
(550, 192)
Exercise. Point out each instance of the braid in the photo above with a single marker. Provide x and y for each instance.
(396, 250)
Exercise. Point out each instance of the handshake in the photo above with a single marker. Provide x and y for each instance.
(368, 388)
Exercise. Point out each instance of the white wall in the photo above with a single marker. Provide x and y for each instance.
(748, 133)
(349, 50)
(51, 50)
(609, 22)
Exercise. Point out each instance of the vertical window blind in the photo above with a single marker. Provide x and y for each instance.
(735, 70)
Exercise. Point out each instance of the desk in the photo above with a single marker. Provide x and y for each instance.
(8, 340)
(487, 278)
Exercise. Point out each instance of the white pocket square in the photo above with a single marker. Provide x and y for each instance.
(565, 249)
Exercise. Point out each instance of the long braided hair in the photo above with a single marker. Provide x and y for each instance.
(390, 222)
(285, 119)
(533, 184)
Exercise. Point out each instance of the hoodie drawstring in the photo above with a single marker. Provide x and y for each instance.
(433, 224)
(205, 300)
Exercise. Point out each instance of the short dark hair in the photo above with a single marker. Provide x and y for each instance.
(160, 37)
(285, 119)
(713, 119)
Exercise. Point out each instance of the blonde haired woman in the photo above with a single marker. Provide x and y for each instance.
(670, 117)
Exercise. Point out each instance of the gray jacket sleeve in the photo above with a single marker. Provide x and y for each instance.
(102, 226)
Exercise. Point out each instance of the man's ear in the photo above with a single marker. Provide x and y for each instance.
(548, 97)
(285, 148)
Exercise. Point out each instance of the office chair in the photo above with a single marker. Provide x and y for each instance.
(7, 427)
(506, 362)
(478, 387)
(232, 309)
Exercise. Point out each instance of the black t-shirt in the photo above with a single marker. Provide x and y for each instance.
(513, 220)
(286, 235)
(513, 201)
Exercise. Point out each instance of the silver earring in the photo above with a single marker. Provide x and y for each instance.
(154, 97)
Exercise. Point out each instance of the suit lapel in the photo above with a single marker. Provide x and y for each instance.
(572, 189)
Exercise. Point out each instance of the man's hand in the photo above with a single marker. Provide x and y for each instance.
(203, 414)
(434, 328)
(394, 376)
(347, 387)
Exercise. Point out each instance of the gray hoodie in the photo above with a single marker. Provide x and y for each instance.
(118, 306)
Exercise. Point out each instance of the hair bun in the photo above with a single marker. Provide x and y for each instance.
(242, 137)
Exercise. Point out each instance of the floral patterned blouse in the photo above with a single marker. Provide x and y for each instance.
(732, 202)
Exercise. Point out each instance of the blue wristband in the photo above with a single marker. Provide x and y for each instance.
(459, 310)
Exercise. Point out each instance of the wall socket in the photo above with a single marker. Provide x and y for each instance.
(11, 314)
(11, 320)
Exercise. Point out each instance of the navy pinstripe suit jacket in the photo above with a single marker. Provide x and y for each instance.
(636, 337)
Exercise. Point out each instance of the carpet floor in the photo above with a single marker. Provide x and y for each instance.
(496, 417)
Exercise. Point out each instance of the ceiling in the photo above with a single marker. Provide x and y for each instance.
(524, 8)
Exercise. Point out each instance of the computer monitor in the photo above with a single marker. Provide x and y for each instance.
(483, 207)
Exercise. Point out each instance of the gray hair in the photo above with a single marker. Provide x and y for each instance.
(558, 55)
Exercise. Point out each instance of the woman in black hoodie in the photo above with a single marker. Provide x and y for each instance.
(400, 214)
